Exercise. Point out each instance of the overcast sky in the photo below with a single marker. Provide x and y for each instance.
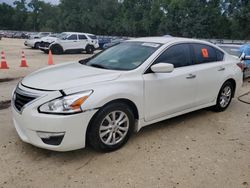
(11, 1)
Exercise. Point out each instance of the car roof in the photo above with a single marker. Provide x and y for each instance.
(165, 40)
(77, 33)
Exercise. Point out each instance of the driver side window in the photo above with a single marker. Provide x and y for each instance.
(178, 55)
(72, 37)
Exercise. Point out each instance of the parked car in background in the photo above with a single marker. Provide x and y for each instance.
(103, 99)
(237, 50)
(102, 40)
(72, 42)
(9, 34)
(246, 50)
(113, 43)
(232, 49)
(20, 35)
(34, 42)
(39, 35)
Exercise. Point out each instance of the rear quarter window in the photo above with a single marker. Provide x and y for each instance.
(205, 54)
(92, 36)
(220, 55)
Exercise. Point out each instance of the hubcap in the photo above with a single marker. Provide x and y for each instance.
(114, 128)
(225, 96)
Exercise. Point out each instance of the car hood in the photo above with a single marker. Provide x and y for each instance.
(68, 75)
(48, 39)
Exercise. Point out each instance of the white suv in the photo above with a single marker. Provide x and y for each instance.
(35, 40)
(68, 42)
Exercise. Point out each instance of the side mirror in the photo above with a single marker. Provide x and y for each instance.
(162, 68)
(244, 57)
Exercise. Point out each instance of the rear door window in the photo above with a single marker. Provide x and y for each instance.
(205, 54)
(82, 37)
(178, 55)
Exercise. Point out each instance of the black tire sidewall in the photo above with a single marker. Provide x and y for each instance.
(93, 137)
(218, 107)
(56, 49)
(37, 45)
(90, 49)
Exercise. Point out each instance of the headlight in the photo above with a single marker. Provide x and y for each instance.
(66, 105)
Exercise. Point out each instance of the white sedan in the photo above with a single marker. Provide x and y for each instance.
(104, 99)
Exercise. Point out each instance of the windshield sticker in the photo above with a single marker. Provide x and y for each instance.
(204, 52)
(154, 45)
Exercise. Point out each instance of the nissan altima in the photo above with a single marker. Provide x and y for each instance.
(102, 100)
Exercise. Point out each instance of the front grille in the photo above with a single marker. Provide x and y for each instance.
(20, 100)
(44, 44)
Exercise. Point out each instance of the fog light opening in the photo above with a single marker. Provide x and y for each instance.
(48, 135)
(49, 138)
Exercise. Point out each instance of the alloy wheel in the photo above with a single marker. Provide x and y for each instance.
(114, 128)
(225, 96)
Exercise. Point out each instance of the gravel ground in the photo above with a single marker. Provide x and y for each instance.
(200, 149)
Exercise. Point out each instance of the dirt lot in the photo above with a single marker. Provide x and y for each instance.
(201, 149)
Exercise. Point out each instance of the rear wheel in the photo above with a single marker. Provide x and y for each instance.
(90, 49)
(224, 97)
(111, 127)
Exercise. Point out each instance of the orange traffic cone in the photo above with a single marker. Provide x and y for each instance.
(23, 61)
(50, 58)
(3, 61)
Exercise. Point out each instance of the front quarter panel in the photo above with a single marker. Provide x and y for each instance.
(125, 87)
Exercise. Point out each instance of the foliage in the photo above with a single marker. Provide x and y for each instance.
(187, 18)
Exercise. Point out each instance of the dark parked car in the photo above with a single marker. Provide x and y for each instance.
(103, 40)
(113, 43)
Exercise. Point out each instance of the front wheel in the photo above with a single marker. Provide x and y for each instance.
(224, 97)
(111, 127)
(56, 49)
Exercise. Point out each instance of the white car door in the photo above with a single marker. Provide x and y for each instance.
(210, 71)
(71, 42)
(169, 93)
(83, 41)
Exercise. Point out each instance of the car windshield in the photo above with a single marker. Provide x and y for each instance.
(124, 56)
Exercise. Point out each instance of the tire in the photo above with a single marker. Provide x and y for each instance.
(224, 97)
(90, 49)
(101, 130)
(56, 49)
(36, 46)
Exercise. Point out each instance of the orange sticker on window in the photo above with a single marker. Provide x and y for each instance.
(204, 52)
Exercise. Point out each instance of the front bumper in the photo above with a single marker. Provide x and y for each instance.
(29, 44)
(29, 123)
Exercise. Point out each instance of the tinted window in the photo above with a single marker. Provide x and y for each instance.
(220, 55)
(178, 55)
(92, 36)
(72, 37)
(82, 37)
(204, 54)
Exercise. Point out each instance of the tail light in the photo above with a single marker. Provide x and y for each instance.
(241, 66)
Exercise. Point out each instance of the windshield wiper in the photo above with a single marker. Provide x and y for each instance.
(98, 66)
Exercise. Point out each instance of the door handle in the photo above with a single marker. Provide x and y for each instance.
(191, 76)
(221, 69)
